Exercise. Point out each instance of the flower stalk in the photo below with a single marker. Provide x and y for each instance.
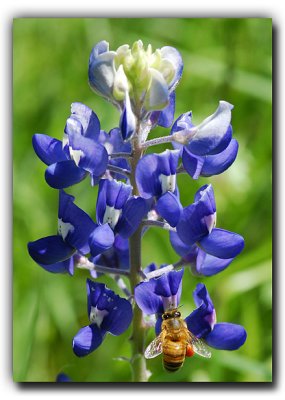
(138, 362)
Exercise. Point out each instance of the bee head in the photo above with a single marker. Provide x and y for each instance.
(171, 314)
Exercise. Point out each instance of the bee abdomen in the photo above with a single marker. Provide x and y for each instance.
(173, 356)
(172, 366)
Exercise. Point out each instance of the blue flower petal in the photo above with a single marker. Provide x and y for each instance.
(119, 317)
(146, 176)
(64, 174)
(87, 340)
(127, 120)
(158, 324)
(101, 239)
(198, 219)
(60, 267)
(87, 154)
(133, 212)
(216, 164)
(115, 257)
(201, 321)
(116, 312)
(63, 378)
(101, 70)
(88, 119)
(50, 250)
(214, 134)
(169, 284)
(226, 336)
(75, 223)
(192, 164)
(155, 173)
(146, 299)
(48, 149)
(166, 116)
(182, 129)
(208, 265)
(188, 253)
(169, 208)
(221, 243)
(113, 194)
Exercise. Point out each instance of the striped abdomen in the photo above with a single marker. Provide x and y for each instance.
(173, 354)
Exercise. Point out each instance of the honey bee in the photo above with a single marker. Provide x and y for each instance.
(175, 342)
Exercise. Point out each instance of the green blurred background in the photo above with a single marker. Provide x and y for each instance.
(224, 59)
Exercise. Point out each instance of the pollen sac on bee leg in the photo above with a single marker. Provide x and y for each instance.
(189, 351)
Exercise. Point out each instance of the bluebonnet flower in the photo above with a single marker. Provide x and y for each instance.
(201, 263)
(202, 323)
(197, 225)
(135, 78)
(62, 378)
(163, 293)
(79, 154)
(207, 149)
(107, 312)
(156, 177)
(116, 257)
(57, 253)
(117, 212)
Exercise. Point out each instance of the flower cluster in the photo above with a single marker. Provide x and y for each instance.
(135, 192)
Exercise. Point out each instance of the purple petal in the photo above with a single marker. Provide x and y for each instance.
(214, 134)
(201, 321)
(147, 177)
(192, 164)
(155, 173)
(63, 378)
(188, 253)
(221, 243)
(87, 340)
(101, 70)
(101, 239)
(169, 208)
(158, 325)
(226, 336)
(50, 250)
(182, 130)
(127, 120)
(115, 313)
(133, 212)
(75, 223)
(48, 149)
(216, 164)
(113, 194)
(169, 284)
(166, 116)
(119, 318)
(115, 257)
(198, 219)
(88, 119)
(208, 265)
(88, 155)
(64, 174)
(60, 267)
(146, 299)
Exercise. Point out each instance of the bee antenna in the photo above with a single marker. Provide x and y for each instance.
(181, 305)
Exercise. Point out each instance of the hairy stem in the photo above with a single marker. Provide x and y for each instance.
(139, 370)
(156, 141)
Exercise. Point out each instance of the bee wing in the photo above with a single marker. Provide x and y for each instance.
(199, 346)
(154, 348)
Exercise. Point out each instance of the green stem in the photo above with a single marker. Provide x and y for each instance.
(139, 370)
